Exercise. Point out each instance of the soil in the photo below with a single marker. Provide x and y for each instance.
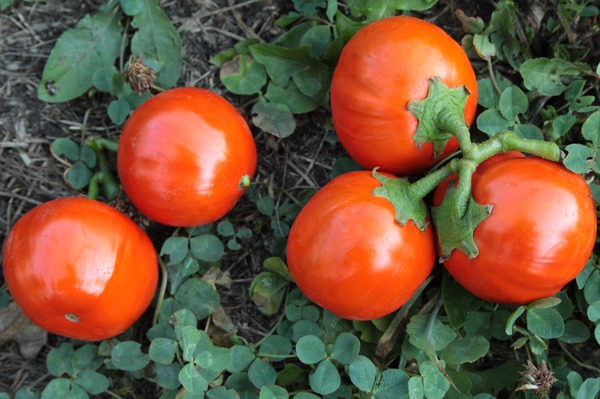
(29, 175)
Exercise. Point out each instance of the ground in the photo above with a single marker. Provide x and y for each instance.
(29, 175)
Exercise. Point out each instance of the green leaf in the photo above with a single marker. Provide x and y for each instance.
(167, 375)
(118, 110)
(589, 389)
(162, 350)
(546, 323)
(344, 165)
(435, 385)
(292, 97)
(417, 331)
(157, 39)
(563, 123)
(94, 43)
(192, 380)
(92, 382)
(318, 38)
(63, 388)
(79, 175)
(484, 47)
(276, 265)
(243, 75)
(128, 356)
(325, 379)
(458, 302)
(267, 292)
(310, 349)
(577, 158)
(193, 341)
(362, 373)
(273, 118)
(545, 75)
(290, 375)
(199, 297)
(275, 348)
(415, 388)
(241, 357)
(67, 148)
(280, 62)
(225, 228)
(529, 131)
(222, 393)
(591, 128)
(214, 358)
(132, 7)
(273, 392)
(58, 361)
(261, 373)
(513, 102)
(179, 272)
(591, 291)
(86, 357)
(491, 122)
(575, 332)
(414, 5)
(510, 322)
(305, 327)
(176, 247)
(593, 311)
(308, 7)
(466, 350)
(597, 333)
(207, 247)
(393, 384)
(345, 348)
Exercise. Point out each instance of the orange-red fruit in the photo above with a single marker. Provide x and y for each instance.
(538, 237)
(384, 66)
(80, 268)
(348, 254)
(183, 155)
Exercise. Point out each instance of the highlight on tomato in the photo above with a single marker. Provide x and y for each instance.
(538, 237)
(80, 268)
(348, 254)
(386, 65)
(185, 157)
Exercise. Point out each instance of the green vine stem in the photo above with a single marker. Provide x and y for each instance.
(440, 117)
(162, 290)
(104, 176)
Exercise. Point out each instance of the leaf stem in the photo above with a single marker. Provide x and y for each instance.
(162, 291)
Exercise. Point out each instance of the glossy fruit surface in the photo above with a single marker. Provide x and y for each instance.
(348, 254)
(183, 155)
(80, 268)
(385, 65)
(539, 235)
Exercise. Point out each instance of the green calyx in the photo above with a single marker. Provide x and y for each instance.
(398, 192)
(441, 117)
(440, 114)
(456, 231)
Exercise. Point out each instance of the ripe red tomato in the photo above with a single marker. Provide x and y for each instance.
(80, 268)
(539, 235)
(348, 254)
(183, 155)
(384, 66)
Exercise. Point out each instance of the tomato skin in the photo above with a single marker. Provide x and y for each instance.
(538, 237)
(77, 256)
(384, 66)
(182, 155)
(347, 253)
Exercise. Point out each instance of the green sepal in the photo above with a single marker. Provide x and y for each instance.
(406, 206)
(440, 114)
(457, 232)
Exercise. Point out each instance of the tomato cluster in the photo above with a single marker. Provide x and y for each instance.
(346, 251)
(82, 269)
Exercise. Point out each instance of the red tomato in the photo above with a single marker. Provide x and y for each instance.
(182, 157)
(80, 268)
(384, 66)
(348, 254)
(538, 237)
